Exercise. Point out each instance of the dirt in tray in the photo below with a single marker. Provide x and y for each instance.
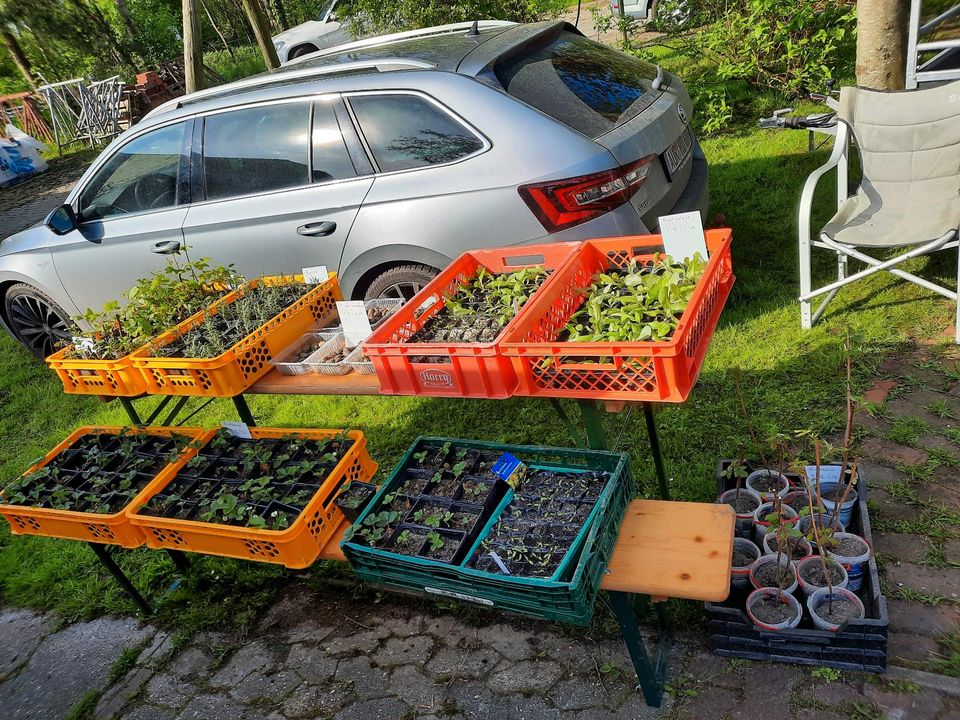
(838, 612)
(408, 541)
(376, 314)
(766, 575)
(742, 558)
(812, 573)
(848, 547)
(772, 610)
(746, 503)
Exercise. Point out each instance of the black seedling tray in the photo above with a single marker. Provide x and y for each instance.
(861, 645)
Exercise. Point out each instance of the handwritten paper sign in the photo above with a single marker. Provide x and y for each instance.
(828, 473)
(683, 235)
(356, 324)
(237, 429)
(316, 274)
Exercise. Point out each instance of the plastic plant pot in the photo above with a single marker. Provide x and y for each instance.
(770, 547)
(354, 497)
(762, 525)
(854, 562)
(823, 520)
(797, 499)
(846, 607)
(748, 501)
(846, 511)
(740, 567)
(761, 576)
(760, 480)
(804, 567)
(759, 603)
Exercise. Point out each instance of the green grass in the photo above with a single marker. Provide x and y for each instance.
(947, 661)
(85, 706)
(907, 430)
(791, 379)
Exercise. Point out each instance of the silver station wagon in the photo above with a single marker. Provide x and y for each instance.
(382, 159)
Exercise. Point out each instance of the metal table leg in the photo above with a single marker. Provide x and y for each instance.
(180, 560)
(243, 410)
(103, 555)
(592, 424)
(131, 411)
(655, 451)
(651, 675)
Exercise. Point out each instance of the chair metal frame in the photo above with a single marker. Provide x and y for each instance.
(839, 159)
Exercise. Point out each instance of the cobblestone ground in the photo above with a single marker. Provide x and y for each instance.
(27, 203)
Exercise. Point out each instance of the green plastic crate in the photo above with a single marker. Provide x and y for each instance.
(569, 599)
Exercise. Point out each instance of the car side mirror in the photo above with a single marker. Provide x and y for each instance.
(63, 220)
(332, 17)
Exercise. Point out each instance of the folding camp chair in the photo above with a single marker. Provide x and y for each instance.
(909, 146)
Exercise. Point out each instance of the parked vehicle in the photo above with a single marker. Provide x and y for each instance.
(383, 159)
(305, 38)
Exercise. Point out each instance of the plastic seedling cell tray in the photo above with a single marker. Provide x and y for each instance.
(292, 360)
(110, 525)
(313, 523)
(323, 362)
(453, 369)
(567, 596)
(657, 371)
(239, 367)
(358, 361)
(861, 645)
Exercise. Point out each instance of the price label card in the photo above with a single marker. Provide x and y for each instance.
(84, 343)
(683, 235)
(828, 473)
(315, 275)
(356, 324)
(237, 429)
(510, 469)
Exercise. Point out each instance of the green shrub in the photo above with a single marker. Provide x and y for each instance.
(245, 61)
(375, 17)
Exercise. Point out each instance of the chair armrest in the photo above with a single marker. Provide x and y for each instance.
(806, 197)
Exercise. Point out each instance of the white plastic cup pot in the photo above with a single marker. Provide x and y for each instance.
(770, 549)
(846, 511)
(807, 589)
(757, 475)
(823, 520)
(797, 499)
(744, 526)
(855, 565)
(787, 598)
(761, 524)
(785, 562)
(740, 574)
(820, 597)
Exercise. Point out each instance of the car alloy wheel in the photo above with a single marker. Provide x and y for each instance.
(37, 322)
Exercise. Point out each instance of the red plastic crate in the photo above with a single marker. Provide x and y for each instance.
(657, 371)
(476, 370)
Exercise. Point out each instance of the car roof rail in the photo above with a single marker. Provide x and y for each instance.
(283, 75)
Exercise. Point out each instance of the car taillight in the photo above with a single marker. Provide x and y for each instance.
(561, 204)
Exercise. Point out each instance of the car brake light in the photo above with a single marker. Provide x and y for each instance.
(561, 204)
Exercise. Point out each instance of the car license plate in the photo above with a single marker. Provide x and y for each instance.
(677, 154)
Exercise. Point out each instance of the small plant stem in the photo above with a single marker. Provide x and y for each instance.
(746, 417)
(848, 433)
(778, 508)
(736, 497)
(816, 532)
(846, 492)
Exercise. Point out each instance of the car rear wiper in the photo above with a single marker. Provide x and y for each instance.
(659, 82)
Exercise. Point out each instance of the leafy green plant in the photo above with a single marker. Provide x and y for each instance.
(436, 541)
(644, 302)
(154, 305)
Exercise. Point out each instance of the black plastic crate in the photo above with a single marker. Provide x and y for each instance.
(861, 645)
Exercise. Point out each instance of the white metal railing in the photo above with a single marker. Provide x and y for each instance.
(945, 64)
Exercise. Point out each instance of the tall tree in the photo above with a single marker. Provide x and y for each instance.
(124, 12)
(281, 14)
(881, 44)
(192, 47)
(261, 28)
(12, 45)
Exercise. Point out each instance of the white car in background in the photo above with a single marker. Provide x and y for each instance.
(312, 35)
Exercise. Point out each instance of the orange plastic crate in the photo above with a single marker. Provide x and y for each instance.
(656, 371)
(296, 546)
(114, 378)
(241, 366)
(475, 370)
(113, 529)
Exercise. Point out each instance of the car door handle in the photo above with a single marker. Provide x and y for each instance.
(318, 229)
(167, 247)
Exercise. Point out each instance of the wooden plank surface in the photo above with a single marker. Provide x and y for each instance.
(276, 383)
(665, 549)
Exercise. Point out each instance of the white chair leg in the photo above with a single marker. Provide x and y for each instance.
(806, 315)
(958, 297)
(841, 266)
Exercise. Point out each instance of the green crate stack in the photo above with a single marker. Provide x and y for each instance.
(569, 599)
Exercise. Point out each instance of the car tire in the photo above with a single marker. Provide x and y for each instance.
(37, 321)
(302, 50)
(403, 282)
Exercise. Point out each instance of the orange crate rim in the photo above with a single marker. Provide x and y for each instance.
(297, 546)
(236, 369)
(661, 371)
(113, 528)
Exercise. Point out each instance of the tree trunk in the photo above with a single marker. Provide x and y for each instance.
(119, 49)
(19, 59)
(124, 13)
(261, 28)
(242, 14)
(881, 44)
(216, 29)
(192, 47)
(281, 14)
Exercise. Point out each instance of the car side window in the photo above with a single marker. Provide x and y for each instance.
(139, 177)
(256, 150)
(331, 160)
(407, 131)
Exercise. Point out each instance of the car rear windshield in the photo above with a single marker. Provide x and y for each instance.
(583, 84)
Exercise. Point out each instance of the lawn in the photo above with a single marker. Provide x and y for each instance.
(791, 379)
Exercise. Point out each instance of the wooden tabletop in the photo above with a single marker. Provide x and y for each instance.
(353, 383)
(665, 549)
